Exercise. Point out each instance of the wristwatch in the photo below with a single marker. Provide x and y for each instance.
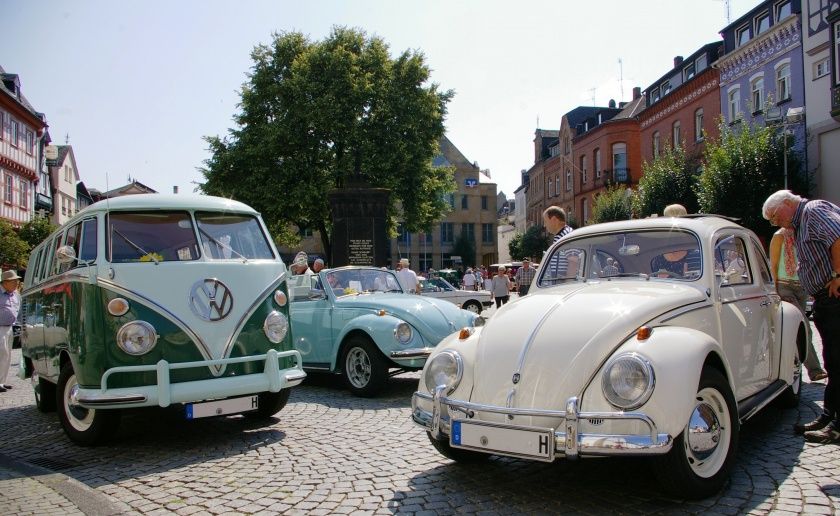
(835, 275)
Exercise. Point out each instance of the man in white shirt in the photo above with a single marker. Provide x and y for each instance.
(469, 279)
(407, 277)
(9, 309)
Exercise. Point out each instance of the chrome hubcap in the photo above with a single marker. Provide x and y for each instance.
(79, 417)
(703, 432)
(358, 367)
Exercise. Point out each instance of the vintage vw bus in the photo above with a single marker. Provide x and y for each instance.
(157, 300)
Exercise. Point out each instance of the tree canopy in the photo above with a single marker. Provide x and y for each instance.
(320, 115)
(531, 244)
(669, 179)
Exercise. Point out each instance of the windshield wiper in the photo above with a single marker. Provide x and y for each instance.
(626, 275)
(220, 244)
(136, 247)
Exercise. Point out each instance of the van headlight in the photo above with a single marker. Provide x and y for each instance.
(275, 326)
(446, 369)
(628, 381)
(136, 337)
(402, 332)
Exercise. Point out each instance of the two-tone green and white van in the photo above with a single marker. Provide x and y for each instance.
(157, 300)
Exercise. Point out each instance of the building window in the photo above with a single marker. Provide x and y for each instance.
(676, 136)
(836, 52)
(13, 133)
(584, 210)
(9, 190)
(2, 125)
(305, 233)
(63, 205)
(762, 23)
(24, 194)
(446, 232)
(654, 95)
(688, 71)
(483, 202)
(557, 185)
(619, 162)
(783, 10)
(700, 64)
(583, 178)
(757, 88)
(549, 187)
(655, 144)
(698, 125)
(734, 104)
(468, 231)
(403, 236)
(67, 173)
(451, 201)
(464, 203)
(783, 82)
(742, 35)
(30, 142)
(598, 163)
(821, 68)
(665, 88)
(487, 233)
(568, 180)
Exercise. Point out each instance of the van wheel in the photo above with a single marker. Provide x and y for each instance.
(365, 371)
(87, 427)
(44, 395)
(270, 404)
(703, 453)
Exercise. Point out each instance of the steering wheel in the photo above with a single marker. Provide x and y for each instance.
(670, 274)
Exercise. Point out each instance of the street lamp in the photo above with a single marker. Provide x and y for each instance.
(794, 116)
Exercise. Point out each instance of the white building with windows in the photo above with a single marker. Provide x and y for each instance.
(21, 133)
(64, 175)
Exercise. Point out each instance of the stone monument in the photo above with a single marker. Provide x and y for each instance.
(359, 215)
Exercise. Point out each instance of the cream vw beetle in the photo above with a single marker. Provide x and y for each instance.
(654, 337)
(157, 300)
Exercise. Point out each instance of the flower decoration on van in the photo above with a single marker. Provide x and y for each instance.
(151, 257)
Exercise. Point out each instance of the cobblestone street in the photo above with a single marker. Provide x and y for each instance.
(328, 452)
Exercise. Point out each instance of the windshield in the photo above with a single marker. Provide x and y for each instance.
(345, 282)
(226, 236)
(151, 237)
(660, 254)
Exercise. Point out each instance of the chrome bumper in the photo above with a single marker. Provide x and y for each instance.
(164, 393)
(567, 439)
(412, 353)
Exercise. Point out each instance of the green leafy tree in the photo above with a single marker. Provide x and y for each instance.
(14, 252)
(531, 244)
(36, 230)
(741, 170)
(615, 203)
(669, 179)
(316, 116)
(465, 248)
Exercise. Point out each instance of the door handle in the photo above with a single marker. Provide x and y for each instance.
(766, 302)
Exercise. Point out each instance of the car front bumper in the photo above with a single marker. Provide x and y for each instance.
(433, 413)
(164, 393)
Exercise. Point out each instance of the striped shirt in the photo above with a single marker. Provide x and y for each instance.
(558, 267)
(817, 227)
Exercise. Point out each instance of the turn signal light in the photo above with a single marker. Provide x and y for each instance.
(465, 333)
(380, 313)
(644, 333)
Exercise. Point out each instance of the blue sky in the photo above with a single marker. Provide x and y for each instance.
(136, 85)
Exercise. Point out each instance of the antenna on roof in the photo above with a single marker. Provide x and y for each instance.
(66, 138)
(726, 7)
(621, 77)
(592, 90)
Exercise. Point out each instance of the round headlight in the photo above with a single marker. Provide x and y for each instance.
(275, 326)
(628, 381)
(403, 332)
(445, 369)
(136, 337)
(280, 298)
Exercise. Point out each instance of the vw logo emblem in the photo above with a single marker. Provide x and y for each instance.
(516, 378)
(210, 299)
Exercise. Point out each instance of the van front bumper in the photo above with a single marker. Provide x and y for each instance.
(164, 393)
(433, 413)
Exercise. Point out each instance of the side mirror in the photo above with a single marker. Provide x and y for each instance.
(65, 254)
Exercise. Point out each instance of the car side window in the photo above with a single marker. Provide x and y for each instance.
(731, 260)
(761, 264)
(87, 251)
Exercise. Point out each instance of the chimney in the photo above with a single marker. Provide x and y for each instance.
(637, 92)
(175, 189)
(612, 103)
(678, 61)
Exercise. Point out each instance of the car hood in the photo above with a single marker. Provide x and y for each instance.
(555, 339)
(434, 318)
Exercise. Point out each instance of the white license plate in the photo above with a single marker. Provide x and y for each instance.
(515, 441)
(222, 407)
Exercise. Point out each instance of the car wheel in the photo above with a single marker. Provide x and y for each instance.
(456, 454)
(472, 306)
(270, 403)
(83, 426)
(790, 396)
(365, 371)
(44, 395)
(703, 453)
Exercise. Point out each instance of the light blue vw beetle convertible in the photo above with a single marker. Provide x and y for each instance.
(358, 322)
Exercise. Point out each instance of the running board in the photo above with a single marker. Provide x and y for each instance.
(750, 406)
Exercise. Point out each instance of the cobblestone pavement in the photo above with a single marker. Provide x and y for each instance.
(328, 452)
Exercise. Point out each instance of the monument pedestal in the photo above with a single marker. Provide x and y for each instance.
(359, 215)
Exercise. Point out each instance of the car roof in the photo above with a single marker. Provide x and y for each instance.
(703, 225)
(168, 201)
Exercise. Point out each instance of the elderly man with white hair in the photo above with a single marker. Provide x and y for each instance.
(816, 230)
(407, 277)
(300, 265)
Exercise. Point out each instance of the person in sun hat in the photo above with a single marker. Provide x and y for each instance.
(407, 277)
(9, 309)
(300, 265)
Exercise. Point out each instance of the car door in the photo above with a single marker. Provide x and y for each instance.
(744, 308)
(772, 308)
(311, 321)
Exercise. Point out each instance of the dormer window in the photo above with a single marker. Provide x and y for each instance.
(762, 23)
(654, 95)
(688, 71)
(783, 10)
(742, 35)
(665, 88)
